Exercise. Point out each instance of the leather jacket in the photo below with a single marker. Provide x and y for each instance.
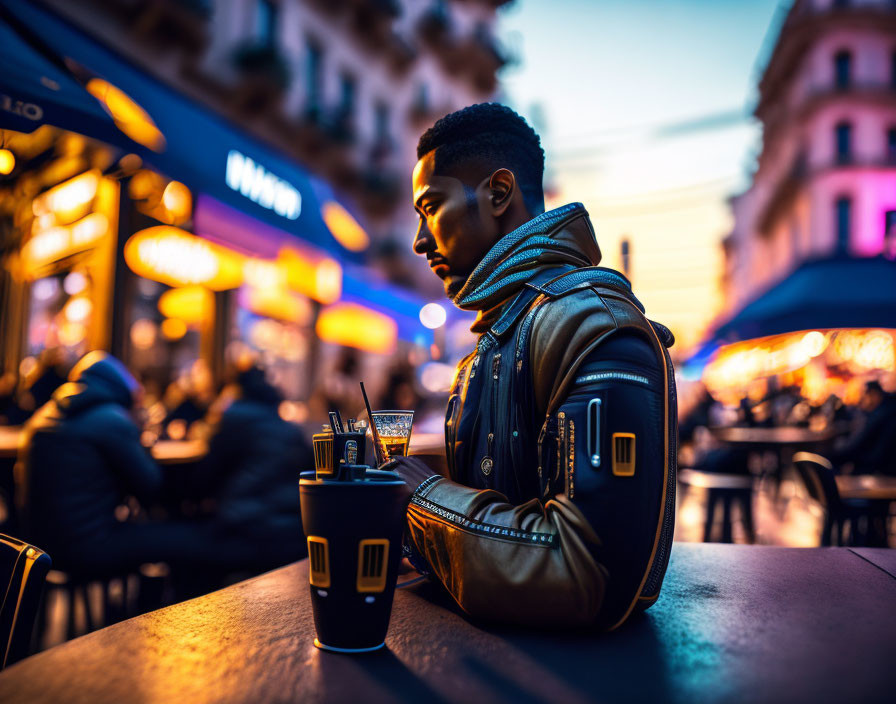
(560, 440)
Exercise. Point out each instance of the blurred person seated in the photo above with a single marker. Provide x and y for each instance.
(871, 449)
(187, 399)
(251, 473)
(80, 458)
(82, 462)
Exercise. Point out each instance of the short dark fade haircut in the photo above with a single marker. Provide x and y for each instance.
(489, 136)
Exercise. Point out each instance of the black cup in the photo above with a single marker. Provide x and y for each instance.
(354, 529)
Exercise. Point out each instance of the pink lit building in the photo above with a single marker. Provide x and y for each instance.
(825, 182)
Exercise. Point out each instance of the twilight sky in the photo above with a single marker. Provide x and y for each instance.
(644, 110)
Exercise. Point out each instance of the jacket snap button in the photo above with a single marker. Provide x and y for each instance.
(486, 466)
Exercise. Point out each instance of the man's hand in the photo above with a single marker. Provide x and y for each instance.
(412, 470)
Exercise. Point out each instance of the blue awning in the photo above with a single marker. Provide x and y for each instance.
(822, 294)
(202, 149)
(35, 91)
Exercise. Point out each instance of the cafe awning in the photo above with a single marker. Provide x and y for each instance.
(36, 90)
(194, 145)
(822, 294)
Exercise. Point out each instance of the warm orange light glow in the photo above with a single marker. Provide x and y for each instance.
(7, 161)
(353, 325)
(78, 309)
(89, 229)
(173, 328)
(265, 273)
(344, 227)
(129, 117)
(57, 242)
(177, 258)
(178, 200)
(278, 303)
(69, 200)
(191, 304)
(143, 334)
(816, 361)
(318, 278)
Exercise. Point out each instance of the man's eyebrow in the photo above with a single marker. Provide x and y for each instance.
(428, 193)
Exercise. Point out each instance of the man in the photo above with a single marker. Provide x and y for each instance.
(871, 449)
(560, 430)
(251, 472)
(80, 458)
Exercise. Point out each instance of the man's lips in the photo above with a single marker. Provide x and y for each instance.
(439, 267)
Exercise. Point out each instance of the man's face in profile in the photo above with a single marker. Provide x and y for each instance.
(455, 231)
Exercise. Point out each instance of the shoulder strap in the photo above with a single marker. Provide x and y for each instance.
(524, 299)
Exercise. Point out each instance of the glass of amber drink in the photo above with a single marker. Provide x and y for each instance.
(394, 430)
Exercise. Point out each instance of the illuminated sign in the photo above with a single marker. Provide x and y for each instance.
(261, 186)
(353, 325)
(177, 258)
(58, 242)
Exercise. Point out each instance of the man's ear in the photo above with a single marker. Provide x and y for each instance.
(502, 185)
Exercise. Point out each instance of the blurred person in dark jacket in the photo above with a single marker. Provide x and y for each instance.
(252, 474)
(81, 457)
(872, 448)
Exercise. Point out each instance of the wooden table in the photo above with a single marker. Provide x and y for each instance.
(867, 486)
(734, 624)
(178, 451)
(783, 436)
(9, 440)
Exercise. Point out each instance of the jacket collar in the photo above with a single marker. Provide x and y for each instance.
(556, 239)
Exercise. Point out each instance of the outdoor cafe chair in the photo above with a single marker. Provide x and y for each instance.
(23, 570)
(817, 475)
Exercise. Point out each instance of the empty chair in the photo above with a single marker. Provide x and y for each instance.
(23, 570)
(817, 474)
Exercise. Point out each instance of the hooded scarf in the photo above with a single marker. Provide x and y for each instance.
(560, 239)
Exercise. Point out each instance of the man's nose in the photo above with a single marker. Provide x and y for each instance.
(423, 241)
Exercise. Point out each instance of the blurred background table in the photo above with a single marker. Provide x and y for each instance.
(179, 451)
(734, 624)
(867, 486)
(9, 440)
(774, 437)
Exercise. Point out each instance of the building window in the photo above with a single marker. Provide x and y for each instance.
(381, 120)
(891, 145)
(890, 223)
(266, 22)
(843, 214)
(347, 91)
(843, 142)
(314, 76)
(842, 69)
(889, 248)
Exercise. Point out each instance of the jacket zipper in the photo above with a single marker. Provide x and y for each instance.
(488, 461)
(613, 376)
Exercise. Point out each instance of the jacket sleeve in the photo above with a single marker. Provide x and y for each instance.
(538, 563)
(139, 473)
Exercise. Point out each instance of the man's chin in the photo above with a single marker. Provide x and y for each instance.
(453, 285)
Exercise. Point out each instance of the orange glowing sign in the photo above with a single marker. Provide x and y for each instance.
(55, 243)
(177, 258)
(69, 200)
(129, 117)
(191, 304)
(354, 325)
(318, 278)
(344, 228)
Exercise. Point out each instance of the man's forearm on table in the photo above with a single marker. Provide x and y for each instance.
(528, 564)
